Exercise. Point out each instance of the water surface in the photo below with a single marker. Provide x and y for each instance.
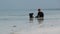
(18, 22)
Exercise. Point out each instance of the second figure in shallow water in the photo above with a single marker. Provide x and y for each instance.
(40, 14)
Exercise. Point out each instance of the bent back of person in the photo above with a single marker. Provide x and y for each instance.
(40, 14)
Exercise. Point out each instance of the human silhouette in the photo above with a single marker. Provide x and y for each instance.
(40, 14)
(31, 17)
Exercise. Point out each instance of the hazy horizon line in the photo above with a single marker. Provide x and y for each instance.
(33, 9)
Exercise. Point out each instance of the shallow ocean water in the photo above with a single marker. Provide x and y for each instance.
(18, 22)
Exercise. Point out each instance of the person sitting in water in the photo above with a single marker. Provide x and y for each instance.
(40, 14)
(30, 15)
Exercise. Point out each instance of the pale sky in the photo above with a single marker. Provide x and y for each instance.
(22, 4)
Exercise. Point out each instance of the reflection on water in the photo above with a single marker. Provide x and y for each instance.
(31, 20)
(40, 20)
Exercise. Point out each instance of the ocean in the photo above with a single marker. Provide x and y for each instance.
(17, 22)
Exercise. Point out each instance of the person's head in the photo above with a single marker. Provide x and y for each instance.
(39, 10)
